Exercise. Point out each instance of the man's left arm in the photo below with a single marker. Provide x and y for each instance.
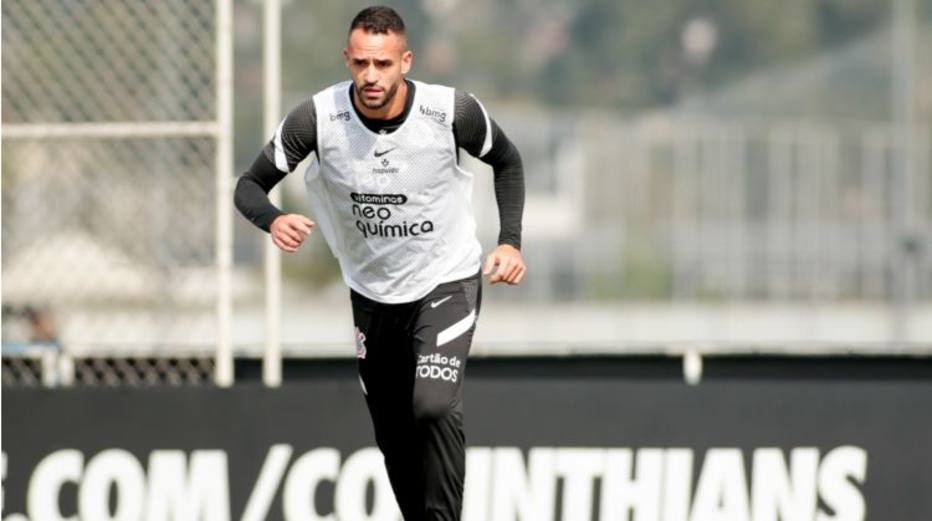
(481, 137)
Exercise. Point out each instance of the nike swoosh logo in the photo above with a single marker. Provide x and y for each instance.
(383, 152)
(441, 301)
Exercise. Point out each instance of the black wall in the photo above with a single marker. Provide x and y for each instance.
(840, 409)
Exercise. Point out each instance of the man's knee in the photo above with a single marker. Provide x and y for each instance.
(431, 405)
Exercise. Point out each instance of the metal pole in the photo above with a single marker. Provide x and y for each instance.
(272, 359)
(903, 61)
(224, 226)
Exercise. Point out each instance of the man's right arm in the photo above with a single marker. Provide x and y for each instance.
(294, 140)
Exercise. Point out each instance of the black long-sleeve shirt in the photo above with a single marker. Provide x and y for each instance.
(299, 139)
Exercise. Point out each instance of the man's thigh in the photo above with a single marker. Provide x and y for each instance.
(443, 334)
(384, 351)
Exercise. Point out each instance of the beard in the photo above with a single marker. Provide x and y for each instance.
(376, 104)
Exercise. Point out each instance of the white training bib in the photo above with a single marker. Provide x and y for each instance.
(395, 208)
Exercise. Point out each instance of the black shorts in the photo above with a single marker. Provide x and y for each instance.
(429, 337)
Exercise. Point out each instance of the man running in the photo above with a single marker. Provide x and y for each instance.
(394, 205)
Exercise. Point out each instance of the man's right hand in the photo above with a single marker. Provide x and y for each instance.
(289, 231)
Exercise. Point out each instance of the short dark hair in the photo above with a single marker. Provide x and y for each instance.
(378, 19)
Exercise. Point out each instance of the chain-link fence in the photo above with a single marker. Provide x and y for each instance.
(90, 61)
(47, 369)
(113, 134)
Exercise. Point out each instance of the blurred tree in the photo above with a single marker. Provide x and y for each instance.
(625, 54)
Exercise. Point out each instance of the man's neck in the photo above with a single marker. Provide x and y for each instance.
(393, 109)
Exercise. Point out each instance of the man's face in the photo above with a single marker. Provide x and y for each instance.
(378, 63)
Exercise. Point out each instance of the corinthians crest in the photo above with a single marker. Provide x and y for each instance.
(360, 344)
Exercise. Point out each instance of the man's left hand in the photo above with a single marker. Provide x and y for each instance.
(510, 265)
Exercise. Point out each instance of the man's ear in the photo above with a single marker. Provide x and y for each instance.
(406, 60)
(346, 58)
